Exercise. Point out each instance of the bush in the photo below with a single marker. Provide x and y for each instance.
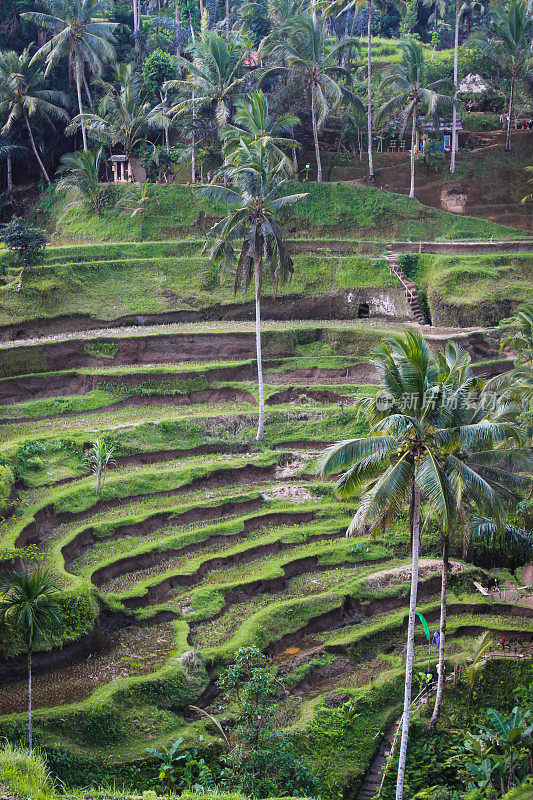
(481, 122)
(24, 774)
(7, 479)
(409, 264)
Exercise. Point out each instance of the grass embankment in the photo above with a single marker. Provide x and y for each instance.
(329, 209)
(482, 289)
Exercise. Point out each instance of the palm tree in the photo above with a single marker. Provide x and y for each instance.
(80, 35)
(124, 117)
(412, 93)
(510, 46)
(213, 78)
(310, 62)
(411, 453)
(253, 204)
(23, 97)
(29, 600)
(99, 459)
(487, 460)
(455, 82)
(80, 177)
(517, 384)
(382, 7)
(253, 123)
(439, 10)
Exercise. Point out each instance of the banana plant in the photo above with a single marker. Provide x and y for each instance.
(170, 762)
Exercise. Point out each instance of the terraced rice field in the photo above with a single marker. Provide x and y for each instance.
(201, 540)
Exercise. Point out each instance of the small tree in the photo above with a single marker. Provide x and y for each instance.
(262, 761)
(80, 177)
(25, 241)
(99, 458)
(29, 600)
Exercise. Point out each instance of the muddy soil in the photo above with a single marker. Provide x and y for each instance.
(132, 652)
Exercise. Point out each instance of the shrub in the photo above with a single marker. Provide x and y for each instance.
(7, 479)
(24, 774)
(481, 122)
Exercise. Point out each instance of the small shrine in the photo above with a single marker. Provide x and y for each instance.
(122, 167)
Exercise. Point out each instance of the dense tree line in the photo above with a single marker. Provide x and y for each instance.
(164, 80)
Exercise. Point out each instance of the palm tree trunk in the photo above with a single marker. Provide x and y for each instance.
(258, 282)
(295, 162)
(9, 187)
(511, 104)
(313, 11)
(29, 700)
(227, 17)
(415, 535)
(35, 151)
(442, 632)
(78, 68)
(455, 83)
(315, 135)
(87, 91)
(193, 141)
(177, 21)
(413, 143)
(369, 93)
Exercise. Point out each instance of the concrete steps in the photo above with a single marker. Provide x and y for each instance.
(411, 292)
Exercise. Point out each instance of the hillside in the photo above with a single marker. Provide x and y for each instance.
(330, 210)
(201, 540)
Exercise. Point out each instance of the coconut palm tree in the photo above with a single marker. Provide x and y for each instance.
(80, 173)
(509, 46)
(381, 6)
(489, 461)
(213, 78)
(311, 63)
(123, 117)
(517, 384)
(253, 203)
(23, 97)
(253, 123)
(410, 455)
(412, 94)
(80, 35)
(29, 601)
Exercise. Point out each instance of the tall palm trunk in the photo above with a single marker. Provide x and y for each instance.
(29, 700)
(227, 17)
(455, 82)
(177, 21)
(415, 536)
(193, 143)
(258, 282)
(315, 135)
(369, 92)
(442, 632)
(78, 69)
(511, 104)
(34, 148)
(9, 186)
(413, 144)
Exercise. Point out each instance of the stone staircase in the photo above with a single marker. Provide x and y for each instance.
(411, 292)
(373, 778)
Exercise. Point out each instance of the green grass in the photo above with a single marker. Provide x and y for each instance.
(329, 207)
(475, 289)
(24, 774)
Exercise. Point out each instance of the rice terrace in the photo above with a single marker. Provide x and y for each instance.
(266, 352)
